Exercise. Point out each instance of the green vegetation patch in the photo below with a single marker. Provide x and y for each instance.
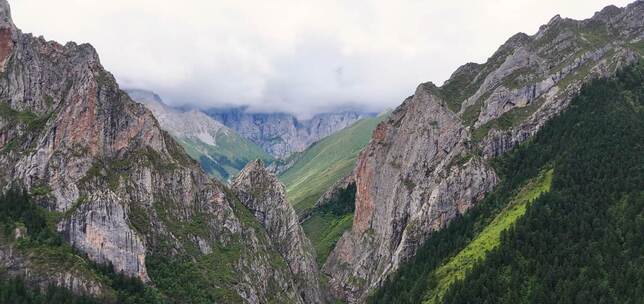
(458, 266)
(595, 34)
(188, 276)
(324, 230)
(461, 86)
(28, 118)
(638, 46)
(471, 113)
(10, 146)
(518, 78)
(225, 159)
(116, 172)
(40, 190)
(201, 279)
(461, 159)
(581, 72)
(325, 163)
(581, 242)
(508, 119)
(328, 222)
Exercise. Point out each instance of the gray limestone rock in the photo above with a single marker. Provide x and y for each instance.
(264, 195)
(125, 188)
(282, 134)
(430, 161)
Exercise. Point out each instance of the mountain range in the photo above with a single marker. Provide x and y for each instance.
(433, 159)
(282, 134)
(121, 196)
(519, 180)
(218, 149)
(223, 150)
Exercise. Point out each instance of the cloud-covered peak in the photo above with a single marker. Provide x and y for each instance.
(301, 57)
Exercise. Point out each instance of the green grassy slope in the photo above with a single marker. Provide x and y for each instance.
(326, 162)
(326, 224)
(227, 158)
(579, 242)
(583, 241)
(457, 267)
(317, 169)
(324, 230)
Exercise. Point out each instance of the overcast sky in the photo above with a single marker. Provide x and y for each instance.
(299, 56)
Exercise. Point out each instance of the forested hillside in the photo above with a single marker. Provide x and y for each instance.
(581, 242)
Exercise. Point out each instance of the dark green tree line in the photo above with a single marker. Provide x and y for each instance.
(582, 242)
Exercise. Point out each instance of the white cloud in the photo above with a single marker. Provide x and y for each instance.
(299, 56)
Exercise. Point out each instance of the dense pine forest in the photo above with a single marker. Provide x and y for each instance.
(582, 241)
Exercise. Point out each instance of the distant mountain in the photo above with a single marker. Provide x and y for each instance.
(325, 162)
(282, 134)
(219, 150)
(317, 169)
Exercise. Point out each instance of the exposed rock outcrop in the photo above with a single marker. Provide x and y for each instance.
(404, 192)
(264, 195)
(282, 134)
(42, 270)
(220, 151)
(125, 188)
(429, 162)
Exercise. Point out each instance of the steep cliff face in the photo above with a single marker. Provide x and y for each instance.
(282, 134)
(221, 152)
(264, 195)
(403, 191)
(430, 161)
(38, 269)
(62, 112)
(124, 190)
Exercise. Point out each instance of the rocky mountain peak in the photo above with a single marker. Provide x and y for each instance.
(262, 193)
(5, 13)
(607, 13)
(179, 123)
(7, 34)
(143, 95)
(554, 20)
(466, 69)
(429, 162)
(255, 171)
(517, 40)
(125, 190)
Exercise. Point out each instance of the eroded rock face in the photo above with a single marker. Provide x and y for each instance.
(193, 123)
(264, 195)
(405, 191)
(36, 272)
(100, 229)
(126, 189)
(282, 134)
(430, 161)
